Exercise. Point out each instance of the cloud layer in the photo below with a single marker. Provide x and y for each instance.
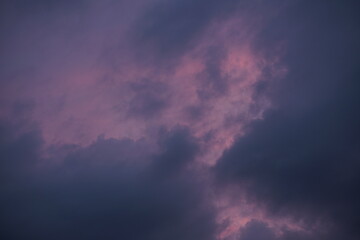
(179, 119)
(103, 191)
(302, 160)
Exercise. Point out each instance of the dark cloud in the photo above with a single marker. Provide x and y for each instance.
(17, 152)
(179, 150)
(150, 98)
(169, 27)
(106, 190)
(303, 160)
(255, 230)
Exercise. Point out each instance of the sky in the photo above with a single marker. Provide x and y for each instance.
(180, 119)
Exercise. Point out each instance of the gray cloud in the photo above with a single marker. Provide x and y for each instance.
(302, 160)
(169, 27)
(106, 190)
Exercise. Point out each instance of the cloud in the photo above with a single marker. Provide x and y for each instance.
(302, 160)
(169, 28)
(134, 101)
(78, 66)
(257, 230)
(150, 98)
(106, 190)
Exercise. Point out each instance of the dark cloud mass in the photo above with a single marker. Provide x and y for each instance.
(169, 27)
(102, 191)
(303, 160)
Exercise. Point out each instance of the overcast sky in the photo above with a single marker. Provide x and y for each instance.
(180, 119)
